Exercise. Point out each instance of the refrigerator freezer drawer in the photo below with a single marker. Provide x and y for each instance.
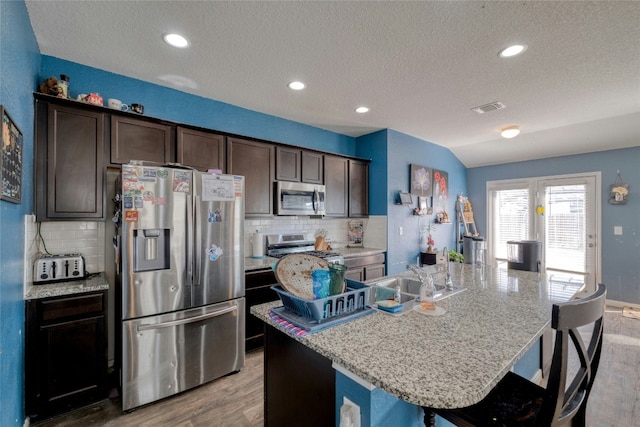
(167, 354)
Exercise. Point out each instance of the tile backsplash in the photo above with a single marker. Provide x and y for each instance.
(88, 237)
(375, 229)
(64, 237)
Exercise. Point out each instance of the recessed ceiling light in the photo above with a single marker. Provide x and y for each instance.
(296, 85)
(512, 50)
(362, 110)
(175, 40)
(510, 132)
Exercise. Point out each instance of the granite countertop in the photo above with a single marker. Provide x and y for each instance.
(95, 282)
(446, 361)
(264, 263)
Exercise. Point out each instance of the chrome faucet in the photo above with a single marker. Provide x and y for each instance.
(426, 288)
(416, 270)
(448, 284)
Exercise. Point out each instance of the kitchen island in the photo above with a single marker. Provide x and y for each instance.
(446, 361)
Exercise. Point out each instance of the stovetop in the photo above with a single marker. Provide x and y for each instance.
(320, 254)
(279, 245)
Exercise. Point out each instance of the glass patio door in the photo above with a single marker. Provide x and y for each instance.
(561, 212)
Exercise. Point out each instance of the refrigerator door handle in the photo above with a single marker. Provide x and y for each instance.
(198, 240)
(149, 327)
(189, 241)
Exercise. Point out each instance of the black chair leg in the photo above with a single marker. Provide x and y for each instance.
(429, 417)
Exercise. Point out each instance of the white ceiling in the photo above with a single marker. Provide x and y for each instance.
(419, 66)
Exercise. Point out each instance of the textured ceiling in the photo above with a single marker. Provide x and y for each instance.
(419, 66)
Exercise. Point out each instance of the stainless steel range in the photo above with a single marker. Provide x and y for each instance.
(279, 245)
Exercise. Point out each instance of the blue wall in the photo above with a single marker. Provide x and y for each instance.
(404, 150)
(19, 64)
(170, 104)
(374, 147)
(620, 254)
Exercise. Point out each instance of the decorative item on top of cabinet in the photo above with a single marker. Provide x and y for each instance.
(69, 161)
(254, 161)
(200, 150)
(358, 188)
(65, 353)
(139, 139)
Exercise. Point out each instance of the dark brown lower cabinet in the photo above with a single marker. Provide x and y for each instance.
(257, 291)
(299, 383)
(66, 353)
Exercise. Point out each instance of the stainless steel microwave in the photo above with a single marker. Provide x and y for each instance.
(299, 198)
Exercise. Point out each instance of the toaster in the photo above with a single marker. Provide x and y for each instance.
(58, 268)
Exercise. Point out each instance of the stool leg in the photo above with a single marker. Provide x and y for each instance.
(429, 417)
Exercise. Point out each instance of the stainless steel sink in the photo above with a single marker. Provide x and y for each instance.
(409, 289)
(407, 285)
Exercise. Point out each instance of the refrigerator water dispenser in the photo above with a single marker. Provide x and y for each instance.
(151, 249)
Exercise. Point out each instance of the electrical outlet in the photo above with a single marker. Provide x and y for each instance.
(400, 231)
(354, 412)
(617, 230)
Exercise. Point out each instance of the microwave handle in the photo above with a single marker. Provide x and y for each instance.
(314, 199)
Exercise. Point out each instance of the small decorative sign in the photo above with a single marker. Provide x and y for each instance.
(11, 148)
(618, 191)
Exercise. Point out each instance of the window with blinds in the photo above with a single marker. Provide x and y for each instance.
(512, 209)
(565, 221)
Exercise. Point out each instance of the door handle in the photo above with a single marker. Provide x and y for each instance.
(148, 327)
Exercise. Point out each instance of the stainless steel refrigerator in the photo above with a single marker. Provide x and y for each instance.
(181, 277)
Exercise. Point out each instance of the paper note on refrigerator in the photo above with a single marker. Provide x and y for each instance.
(217, 188)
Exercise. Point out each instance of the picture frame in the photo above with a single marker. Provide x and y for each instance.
(11, 153)
(421, 178)
(440, 190)
(405, 199)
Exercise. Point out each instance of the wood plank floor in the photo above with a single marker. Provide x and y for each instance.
(237, 400)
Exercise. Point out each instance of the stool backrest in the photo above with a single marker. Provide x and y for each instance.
(567, 397)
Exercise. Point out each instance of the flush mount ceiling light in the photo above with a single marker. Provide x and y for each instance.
(362, 110)
(175, 40)
(296, 85)
(510, 132)
(512, 50)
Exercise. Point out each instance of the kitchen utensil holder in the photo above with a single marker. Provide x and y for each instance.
(356, 298)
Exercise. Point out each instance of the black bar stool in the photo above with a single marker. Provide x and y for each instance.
(516, 401)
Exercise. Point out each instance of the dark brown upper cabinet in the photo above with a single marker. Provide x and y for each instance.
(288, 165)
(336, 173)
(358, 188)
(69, 162)
(294, 164)
(256, 162)
(312, 167)
(200, 150)
(136, 139)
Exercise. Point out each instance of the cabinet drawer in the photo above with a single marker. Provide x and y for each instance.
(360, 261)
(73, 306)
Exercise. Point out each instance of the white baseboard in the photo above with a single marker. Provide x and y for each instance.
(537, 377)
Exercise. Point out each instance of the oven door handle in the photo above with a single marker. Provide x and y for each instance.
(171, 324)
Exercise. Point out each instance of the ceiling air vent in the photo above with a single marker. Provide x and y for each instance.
(489, 107)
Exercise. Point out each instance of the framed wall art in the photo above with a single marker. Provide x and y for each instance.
(440, 190)
(420, 184)
(11, 147)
